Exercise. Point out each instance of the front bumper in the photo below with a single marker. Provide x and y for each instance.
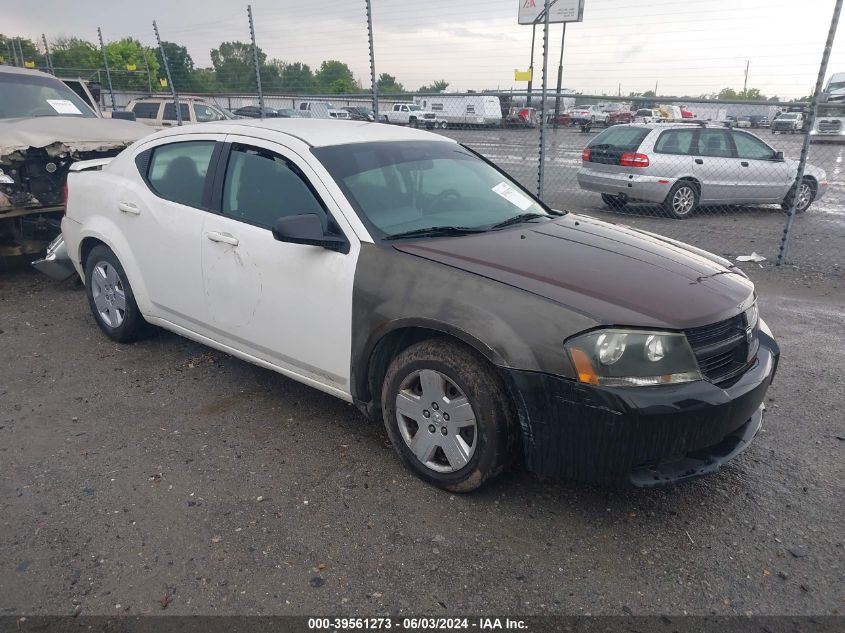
(56, 263)
(642, 436)
(635, 187)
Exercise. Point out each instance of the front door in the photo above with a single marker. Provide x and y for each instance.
(761, 177)
(287, 304)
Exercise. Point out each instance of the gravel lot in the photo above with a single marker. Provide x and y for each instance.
(818, 241)
(166, 475)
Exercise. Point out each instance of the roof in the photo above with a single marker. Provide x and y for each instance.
(169, 97)
(15, 70)
(314, 132)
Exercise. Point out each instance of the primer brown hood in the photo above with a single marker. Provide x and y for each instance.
(611, 273)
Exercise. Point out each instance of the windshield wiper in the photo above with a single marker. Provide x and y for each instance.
(518, 219)
(435, 231)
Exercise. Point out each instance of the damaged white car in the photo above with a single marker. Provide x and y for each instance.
(44, 128)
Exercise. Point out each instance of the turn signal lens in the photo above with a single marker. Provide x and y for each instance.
(584, 367)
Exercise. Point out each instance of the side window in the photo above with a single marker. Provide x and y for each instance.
(437, 107)
(748, 146)
(260, 187)
(674, 142)
(715, 143)
(170, 112)
(146, 110)
(470, 109)
(177, 171)
(205, 113)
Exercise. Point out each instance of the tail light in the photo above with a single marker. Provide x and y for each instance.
(630, 159)
(585, 155)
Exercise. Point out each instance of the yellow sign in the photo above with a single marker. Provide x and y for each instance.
(29, 64)
(131, 67)
(522, 75)
(162, 82)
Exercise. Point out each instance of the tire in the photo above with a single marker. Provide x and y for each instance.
(456, 379)
(444, 125)
(682, 200)
(617, 203)
(804, 200)
(607, 122)
(111, 299)
(413, 122)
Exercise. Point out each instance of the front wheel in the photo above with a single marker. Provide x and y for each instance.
(448, 415)
(806, 195)
(111, 298)
(681, 201)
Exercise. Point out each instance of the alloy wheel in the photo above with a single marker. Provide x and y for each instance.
(683, 201)
(805, 197)
(109, 294)
(436, 421)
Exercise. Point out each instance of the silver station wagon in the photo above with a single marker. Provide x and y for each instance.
(684, 166)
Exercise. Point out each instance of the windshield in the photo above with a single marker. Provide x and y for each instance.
(788, 116)
(643, 112)
(832, 110)
(414, 108)
(34, 95)
(837, 85)
(414, 185)
(620, 137)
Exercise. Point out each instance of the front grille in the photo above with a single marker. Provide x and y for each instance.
(721, 349)
(830, 126)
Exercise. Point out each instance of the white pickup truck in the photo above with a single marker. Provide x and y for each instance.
(410, 114)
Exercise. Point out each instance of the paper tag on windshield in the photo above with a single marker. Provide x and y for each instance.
(63, 106)
(512, 195)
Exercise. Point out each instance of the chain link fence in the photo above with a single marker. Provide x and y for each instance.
(718, 171)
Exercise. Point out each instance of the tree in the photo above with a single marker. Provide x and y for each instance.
(180, 63)
(335, 77)
(294, 77)
(387, 84)
(439, 85)
(234, 66)
(75, 54)
(650, 93)
(729, 94)
(126, 53)
(9, 46)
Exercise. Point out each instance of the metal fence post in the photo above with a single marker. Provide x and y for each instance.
(531, 65)
(47, 57)
(560, 76)
(255, 61)
(541, 168)
(149, 74)
(372, 58)
(169, 78)
(106, 63)
(805, 148)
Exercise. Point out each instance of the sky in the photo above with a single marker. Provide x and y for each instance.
(686, 47)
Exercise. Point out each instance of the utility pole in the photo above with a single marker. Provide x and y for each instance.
(169, 78)
(541, 169)
(559, 76)
(47, 57)
(372, 59)
(531, 65)
(20, 50)
(106, 62)
(255, 61)
(745, 85)
(655, 87)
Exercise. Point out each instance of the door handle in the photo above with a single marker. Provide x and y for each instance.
(128, 207)
(222, 238)
(698, 161)
(744, 163)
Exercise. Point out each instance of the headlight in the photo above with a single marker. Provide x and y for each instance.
(630, 358)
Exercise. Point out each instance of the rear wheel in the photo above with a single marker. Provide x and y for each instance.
(111, 298)
(614, 202)
(448, 415)
(806, 195)
(681, 201)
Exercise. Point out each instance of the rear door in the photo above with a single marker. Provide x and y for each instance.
(761, 178)
(163, 211)
(714, 165)
(168, 117)
(672, 155)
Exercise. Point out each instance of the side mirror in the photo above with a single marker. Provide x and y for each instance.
(778, 156)
(306, 228)
(123, 114)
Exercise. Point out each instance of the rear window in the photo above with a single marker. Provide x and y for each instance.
(146, 110)
(621, 137)
(643, 112)
(170, 112)
(177, 171)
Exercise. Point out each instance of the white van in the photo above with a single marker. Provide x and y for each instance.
(477, 110)
(320, 110)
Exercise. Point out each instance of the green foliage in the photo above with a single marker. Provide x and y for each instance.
(9, 51)
(729, 94)
(387, 84)
(130, 52)
(335, 77)
(439, 85)
(180, 63)
(74, 54)
(294, 77)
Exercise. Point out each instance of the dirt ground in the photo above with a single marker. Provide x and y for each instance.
(165, 477)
